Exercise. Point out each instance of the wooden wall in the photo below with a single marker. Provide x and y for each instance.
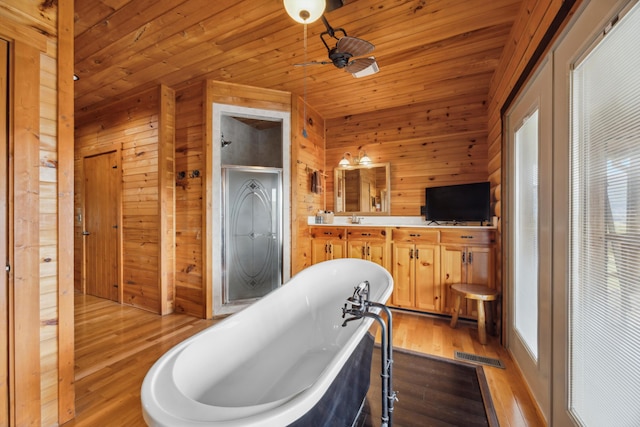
(308, 155)
(537, 25)
(431, 144)
(191, 292)
(141, 129)
(40, 294)
(193, 196)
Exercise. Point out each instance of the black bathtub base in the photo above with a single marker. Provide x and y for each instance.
(343, 401)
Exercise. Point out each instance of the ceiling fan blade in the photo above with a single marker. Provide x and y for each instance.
(354, 46)
(304, 64)
(360, 64)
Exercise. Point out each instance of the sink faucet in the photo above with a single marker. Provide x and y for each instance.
(355, 219)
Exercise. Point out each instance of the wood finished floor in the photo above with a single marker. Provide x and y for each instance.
(116, 345)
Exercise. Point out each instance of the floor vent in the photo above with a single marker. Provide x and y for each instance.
(496, 363)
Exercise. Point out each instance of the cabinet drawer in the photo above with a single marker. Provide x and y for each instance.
(415, 235)
(369, 234)
(468, 237)
(327, 232)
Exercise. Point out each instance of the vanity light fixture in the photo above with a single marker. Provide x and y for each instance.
(362, 159)
(305, 11)
(345, 161)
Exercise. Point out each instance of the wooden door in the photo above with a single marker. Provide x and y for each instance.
(4, 246)
(101, 180)
(427, 277)
(403, 275)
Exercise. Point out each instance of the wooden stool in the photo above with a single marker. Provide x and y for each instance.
(479, 293)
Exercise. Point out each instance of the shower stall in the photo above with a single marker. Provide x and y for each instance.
(249, 181)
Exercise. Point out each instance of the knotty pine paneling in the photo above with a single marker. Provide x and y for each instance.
(190, 292)
(142, 129)
(41, 125)
(427, 145)
(308, 155)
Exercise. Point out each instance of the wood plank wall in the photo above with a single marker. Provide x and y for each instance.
(190, 292)
(308, 155)
(193, 294)
(41, 113)
(533, 21)
(132, 127)
(439, 143)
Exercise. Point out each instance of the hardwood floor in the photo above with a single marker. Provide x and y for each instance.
(116, 345)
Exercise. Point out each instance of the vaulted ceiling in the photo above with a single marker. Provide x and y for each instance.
(427, 50)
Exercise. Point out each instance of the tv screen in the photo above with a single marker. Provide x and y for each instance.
(458, 203)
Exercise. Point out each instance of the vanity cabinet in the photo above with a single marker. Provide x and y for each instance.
(416, 269)
(368, 243)
(424, 261)
(467, 256)
(327, 243)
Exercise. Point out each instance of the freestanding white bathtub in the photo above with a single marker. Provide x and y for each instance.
(273, 362)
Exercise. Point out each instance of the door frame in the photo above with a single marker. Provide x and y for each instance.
(113, 148)
(537, 95)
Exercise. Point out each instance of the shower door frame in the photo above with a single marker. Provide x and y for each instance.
(214, 201)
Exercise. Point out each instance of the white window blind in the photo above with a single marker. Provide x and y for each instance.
(605, 231)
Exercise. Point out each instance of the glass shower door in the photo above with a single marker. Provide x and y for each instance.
(252, 241)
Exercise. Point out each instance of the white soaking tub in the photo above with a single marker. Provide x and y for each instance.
(273, 363)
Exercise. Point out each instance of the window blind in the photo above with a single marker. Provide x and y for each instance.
(604, 289)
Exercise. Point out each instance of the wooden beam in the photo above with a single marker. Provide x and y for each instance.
(66, 389)
(25, 144)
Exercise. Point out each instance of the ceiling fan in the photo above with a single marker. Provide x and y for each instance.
(346, 51)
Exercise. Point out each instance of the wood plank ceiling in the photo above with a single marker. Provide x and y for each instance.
(427, 50)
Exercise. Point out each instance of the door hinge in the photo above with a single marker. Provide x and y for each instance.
(8, 268)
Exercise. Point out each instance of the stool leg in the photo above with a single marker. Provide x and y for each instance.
(489, 317)
(482, 331)
(456, 310)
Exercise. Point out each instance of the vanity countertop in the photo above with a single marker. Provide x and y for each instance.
(391, 221)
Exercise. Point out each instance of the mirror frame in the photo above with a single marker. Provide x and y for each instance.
(336, 183)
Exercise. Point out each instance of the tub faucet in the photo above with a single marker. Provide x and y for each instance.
(360, 306)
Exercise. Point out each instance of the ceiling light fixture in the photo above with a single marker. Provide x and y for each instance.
(305, 11)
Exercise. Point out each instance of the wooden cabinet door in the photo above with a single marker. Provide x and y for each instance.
(375, 253)
(357, 249)
(337, 249)
(453, 271)
(403, 275)
(319, 250)
(480, 266)
(427, 277)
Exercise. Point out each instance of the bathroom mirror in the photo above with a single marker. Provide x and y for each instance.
(363, 189)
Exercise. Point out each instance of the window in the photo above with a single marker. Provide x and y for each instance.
(605, 231)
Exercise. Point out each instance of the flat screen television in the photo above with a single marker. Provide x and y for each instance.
(458, 203)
